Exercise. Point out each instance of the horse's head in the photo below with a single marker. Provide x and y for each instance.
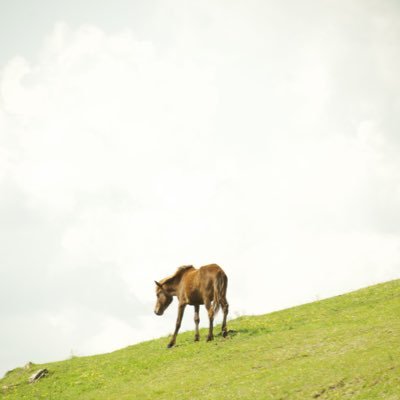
(164, 299)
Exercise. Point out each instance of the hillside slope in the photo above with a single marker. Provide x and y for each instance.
(345, 347)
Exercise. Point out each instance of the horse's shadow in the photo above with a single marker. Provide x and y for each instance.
(250, 331)
(231, 332)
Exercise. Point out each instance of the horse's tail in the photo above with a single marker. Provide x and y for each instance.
(220, 285)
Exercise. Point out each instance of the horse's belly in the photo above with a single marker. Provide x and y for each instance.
(195, 299)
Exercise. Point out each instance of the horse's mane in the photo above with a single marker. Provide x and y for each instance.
(183, 268)
(179, 272)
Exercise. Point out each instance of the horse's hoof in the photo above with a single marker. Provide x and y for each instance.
(224, 333)
(170, 345)
(210, 338)
(197, 338)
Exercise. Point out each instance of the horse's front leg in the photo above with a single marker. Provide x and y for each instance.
(181, 309)
(196, 321)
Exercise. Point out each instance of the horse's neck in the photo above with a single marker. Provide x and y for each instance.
(172, 283)
(172, 287)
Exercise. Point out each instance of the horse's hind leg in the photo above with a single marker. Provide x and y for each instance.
(210, 310)
(196, 321)
(225, 309)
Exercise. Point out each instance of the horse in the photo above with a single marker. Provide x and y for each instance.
(204, 286)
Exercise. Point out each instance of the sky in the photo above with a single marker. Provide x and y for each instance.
(136, 137)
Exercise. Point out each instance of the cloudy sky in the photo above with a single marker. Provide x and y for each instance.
(139, 136)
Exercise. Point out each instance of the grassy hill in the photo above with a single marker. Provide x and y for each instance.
(345, 347)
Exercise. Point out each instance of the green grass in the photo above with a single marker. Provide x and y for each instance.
(345, 347)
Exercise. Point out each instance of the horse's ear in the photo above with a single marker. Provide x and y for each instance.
(158, 284)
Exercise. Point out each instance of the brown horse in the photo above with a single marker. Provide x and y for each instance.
(206, 285)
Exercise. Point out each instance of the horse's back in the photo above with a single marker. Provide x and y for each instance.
(211, 269)
(209, 274)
